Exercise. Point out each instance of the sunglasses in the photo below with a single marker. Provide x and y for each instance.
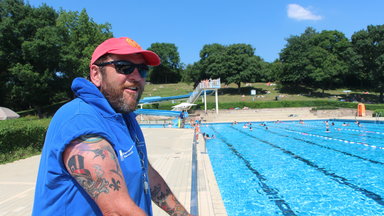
(126, 67)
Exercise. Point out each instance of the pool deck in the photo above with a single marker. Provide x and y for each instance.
(170, 152)
(282, 114)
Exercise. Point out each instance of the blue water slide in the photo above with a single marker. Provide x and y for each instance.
(157, 112)
(148, 100)
(155, 99)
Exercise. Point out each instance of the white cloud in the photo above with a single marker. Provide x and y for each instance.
(297, 12)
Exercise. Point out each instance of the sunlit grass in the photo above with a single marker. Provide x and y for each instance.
(264, 92)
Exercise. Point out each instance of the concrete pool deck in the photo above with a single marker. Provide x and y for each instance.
(170, 152)
(282, 114)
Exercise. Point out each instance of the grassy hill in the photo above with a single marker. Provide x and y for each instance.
(268, 95)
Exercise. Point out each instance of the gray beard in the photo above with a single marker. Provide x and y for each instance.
(116, 100)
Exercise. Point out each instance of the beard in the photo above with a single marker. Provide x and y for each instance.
(121, 102)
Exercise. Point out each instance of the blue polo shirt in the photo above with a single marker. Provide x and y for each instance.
(57, 192)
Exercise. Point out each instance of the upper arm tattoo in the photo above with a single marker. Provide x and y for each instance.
(94, 186)
(93, 177)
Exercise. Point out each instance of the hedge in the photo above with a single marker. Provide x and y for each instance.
(378, 113)
(21, 138)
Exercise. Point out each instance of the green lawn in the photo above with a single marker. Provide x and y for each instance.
(264, 92)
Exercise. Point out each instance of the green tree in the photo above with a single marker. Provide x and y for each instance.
(256, 69)
(235, 63)
(80, 35)
(28, 53)
(369, 46)
(169, 71)
(42, 51)
(271, 71)
(241, 64)
(294, 59)
(11, 35)
(192, 74)
(316, 60)
(212, 62)
(323, 67)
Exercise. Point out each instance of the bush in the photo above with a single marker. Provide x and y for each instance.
(48, 110)
(378, 113)
(21, 138)
(325, 108)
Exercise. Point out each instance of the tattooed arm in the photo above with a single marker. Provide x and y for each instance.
(163, 196)
(92, 161)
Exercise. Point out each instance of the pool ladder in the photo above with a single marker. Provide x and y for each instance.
(377, 116)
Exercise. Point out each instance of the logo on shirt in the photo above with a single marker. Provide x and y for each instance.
(125, 154)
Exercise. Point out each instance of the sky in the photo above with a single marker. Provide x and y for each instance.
(264, 24)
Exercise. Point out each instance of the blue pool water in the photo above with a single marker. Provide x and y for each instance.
(299, 169)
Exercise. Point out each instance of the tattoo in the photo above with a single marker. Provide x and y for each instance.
(157, 194)
(117, 172)
(102, 152)
(160, 197)
(83, 176)
(98, 152)
(90, 138)
(99, 172)
(115, 185)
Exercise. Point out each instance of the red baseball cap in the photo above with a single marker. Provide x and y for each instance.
(124, 46)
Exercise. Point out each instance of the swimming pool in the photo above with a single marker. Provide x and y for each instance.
(289, 168)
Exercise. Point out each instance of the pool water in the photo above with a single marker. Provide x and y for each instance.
(289, 168)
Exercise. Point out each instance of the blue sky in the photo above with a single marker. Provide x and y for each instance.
(265, 24)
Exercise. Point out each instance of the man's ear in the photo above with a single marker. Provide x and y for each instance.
(95, 75)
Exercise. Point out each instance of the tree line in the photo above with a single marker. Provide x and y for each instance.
(314, 60)
(42, 50)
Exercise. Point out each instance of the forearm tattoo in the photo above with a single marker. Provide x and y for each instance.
(97, 184)
(164, 197)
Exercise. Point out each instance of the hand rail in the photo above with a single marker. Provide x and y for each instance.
(204, 84)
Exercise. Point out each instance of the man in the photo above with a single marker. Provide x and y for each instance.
(94, 160)
(182, 119)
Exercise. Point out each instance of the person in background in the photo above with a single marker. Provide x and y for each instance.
(182, 119)
(94, 160)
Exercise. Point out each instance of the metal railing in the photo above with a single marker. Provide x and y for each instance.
(377, 116)
(204, 84)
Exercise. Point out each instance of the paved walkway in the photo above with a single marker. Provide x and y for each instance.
(169, 151)
(17, 186)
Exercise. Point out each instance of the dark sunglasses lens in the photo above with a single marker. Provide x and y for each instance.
(143, 69)
(128, 68)
(125, 69)
(143, 73)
